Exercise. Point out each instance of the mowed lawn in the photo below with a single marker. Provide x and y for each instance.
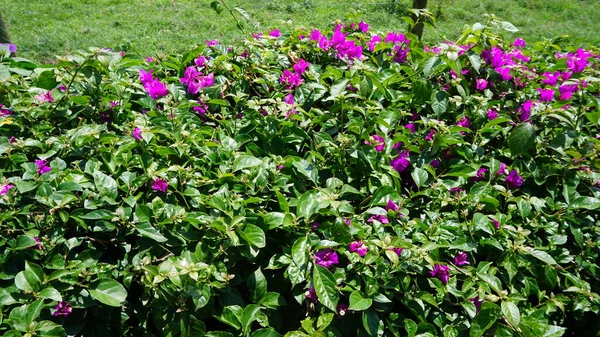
(43, 29)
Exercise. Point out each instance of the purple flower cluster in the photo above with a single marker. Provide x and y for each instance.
(461, 259)
(377, 217)
(346, 48)
(311, 294)
(194, 80)
(441, 272)
(137, 134)
(45, 97)
(514, 180)
(62, 309)
(326, 258)
(402, 162)
(159, 184)
(155, 88)
(5, 188)
(503, 62)
(359, 247)
(293, 78)
(377, 141)
(4, 112)
(42, 166)
(400, 46)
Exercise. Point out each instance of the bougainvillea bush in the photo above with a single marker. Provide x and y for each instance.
(313, 183)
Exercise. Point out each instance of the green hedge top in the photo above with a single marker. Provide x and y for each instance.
(336, 183)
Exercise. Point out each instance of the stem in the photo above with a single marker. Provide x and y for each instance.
(238, 23)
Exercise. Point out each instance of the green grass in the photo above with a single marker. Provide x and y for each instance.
(42, 30)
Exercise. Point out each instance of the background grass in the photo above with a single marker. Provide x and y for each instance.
(44, 28)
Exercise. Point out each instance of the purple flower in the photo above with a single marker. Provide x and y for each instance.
(201, 108)
(398, 251)
(61, 87)
(377, 141)
(62, 309)
(551, 78)
(189, 76)
(206, 81)
(275, 33)
(156, 89)
(461, 259)
(5, 188)
(377, 217)
(137, 134)
(145, 76)
(477, 302)
(201, 61)
(4, 112)
(375, 40)
(411, 127)
(149, 59)
(326, 258)
(430, 135)
(290, 79)
(566, 91)
(400, 164)
(464, 122)
(42, 166)
(480, 174)
(315, 35)
(502, 169)
(519, 43)
(160, 184)
(391, 206)
(441, 272)
(358, 247)
(492, 114)
(496, 223)
(363, 27)
(289, 99)
(311, 294)
(546, 95)
(45, 97)
(341, 309)
(300, 66)
(456, 191)
(481, 84)
(435, 163)
(514, 180)
(525, 110)
(38, 243)
(315, 225)
(347, 221)
(211, 43)
(11, 47)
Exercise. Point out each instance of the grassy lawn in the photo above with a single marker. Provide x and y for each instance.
(42, 30)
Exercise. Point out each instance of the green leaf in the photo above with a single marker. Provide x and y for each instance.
(270, 332)
(521, 139)
(33, 311)
(300, 252)
(338, 88)
(439, 103)
(511, 312)
(307, 169)
(324, 320)
(420, 176)
(218, 334)
(325, 287)
(254, 235)
(244, 161)
(542, 256)
(372, 323)
(257, 283)
(25, 186)
(487, 316)
(383, 194)
(308, 204)
(24, 242)
(430, 65)
(106, 185)
(148, 231)
(251, 313)
(50, 293)
(585, 203)
(509, 27)
(98, 214)
(109, 292)
(26, 280)
(216, 6)
(358, 302)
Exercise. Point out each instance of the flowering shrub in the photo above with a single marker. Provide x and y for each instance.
(343, 183)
